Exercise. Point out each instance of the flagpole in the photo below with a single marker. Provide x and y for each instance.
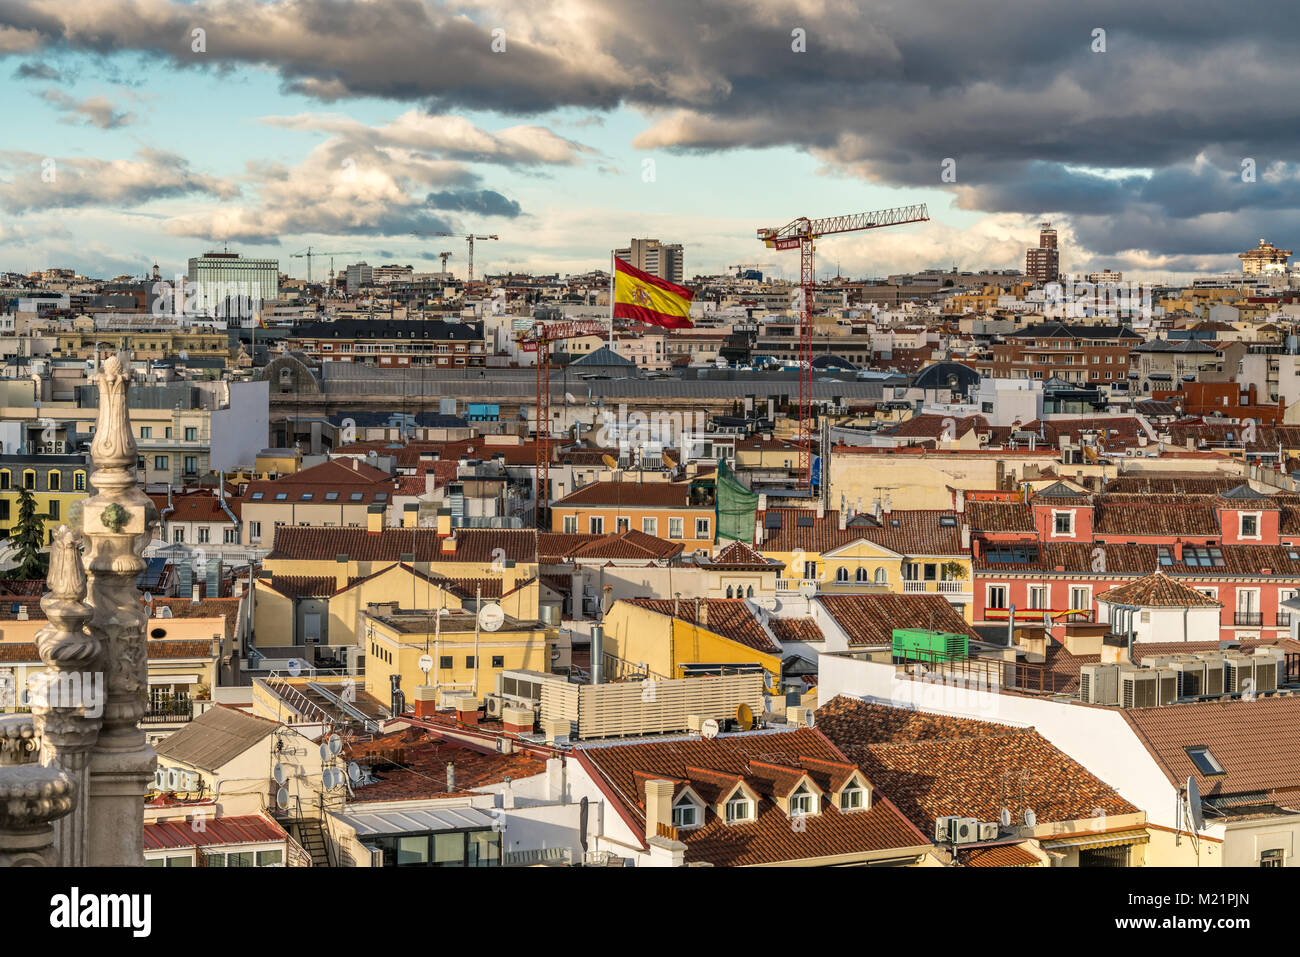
(611, 300)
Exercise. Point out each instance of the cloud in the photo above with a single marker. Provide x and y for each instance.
(44, 182)
(96, 111)
(37, 71)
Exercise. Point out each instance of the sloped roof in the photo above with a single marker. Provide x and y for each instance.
(323, 543)
(215, 738)
(732, 618)
(1158, 590)
(871, 619)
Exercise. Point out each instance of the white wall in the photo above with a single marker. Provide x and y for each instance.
(242, 430)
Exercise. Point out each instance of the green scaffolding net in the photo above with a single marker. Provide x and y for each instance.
(736, 507)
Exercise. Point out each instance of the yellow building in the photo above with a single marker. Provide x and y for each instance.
(466, 658)
(55, 481)
(914, 552)
(680, 638)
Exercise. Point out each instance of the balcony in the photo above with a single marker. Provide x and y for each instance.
(1248, 619)
(1283, 619)
(178, 711)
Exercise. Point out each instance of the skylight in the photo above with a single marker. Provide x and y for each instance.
(1205, 762)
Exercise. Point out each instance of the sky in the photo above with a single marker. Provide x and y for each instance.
(1158, 138)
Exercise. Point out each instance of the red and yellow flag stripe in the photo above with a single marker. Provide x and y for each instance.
(646, 298)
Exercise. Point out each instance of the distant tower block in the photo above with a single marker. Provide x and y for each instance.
(1264, 258)
(1043, 265)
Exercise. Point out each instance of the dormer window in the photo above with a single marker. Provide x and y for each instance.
(686, 813)
(1063, 523)
(1250, 526)
(803, 801)
(853, 798)
(739, 810)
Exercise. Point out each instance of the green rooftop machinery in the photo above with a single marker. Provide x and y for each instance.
(925, 645)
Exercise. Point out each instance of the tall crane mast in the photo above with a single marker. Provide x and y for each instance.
(444, 257)
(802, 234)
(469, 238)
(539, 339)
(309, 253)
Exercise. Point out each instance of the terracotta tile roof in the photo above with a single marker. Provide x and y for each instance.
(321, 543)
(740, 555)
(732, 618)
(623, 494)
(930, 425)
(11, 604)
(301, 586)
(411, 764)
(1077, 558)
(226, 608)
(1158, 591)
(917, 532)
(999, 516)
(795, 629)
(871, 619)
(1252, 741)
(632, 544)
(331, 476)
(1002, 855)
(1166, 483)
(242, 829)
(195, 507)
(769, 838)
(1146, 516)
(555, 547)
(933, 766)
(179, 648)
(1153, 649)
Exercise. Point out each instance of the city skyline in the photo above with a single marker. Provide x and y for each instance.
(163, 143)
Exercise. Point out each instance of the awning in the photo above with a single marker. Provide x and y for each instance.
(1107, 839)
(174, 679)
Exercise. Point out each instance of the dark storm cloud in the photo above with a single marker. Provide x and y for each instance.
(485, 202)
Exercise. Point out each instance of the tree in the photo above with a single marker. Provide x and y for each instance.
(28, 536)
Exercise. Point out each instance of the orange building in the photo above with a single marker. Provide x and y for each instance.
(679, 512)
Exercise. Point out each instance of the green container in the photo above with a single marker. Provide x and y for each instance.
(922, 643)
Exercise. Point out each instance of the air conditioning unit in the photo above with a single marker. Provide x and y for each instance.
(1238, 670)
(1099, 684)
(494, 705)
(173, 779)
(1166, 685)
(1138, 688)
(988, 832)
(966, 830)
(189, 781)
(1215, 674)
(943, 828)
(1267, 670)
(160, 779)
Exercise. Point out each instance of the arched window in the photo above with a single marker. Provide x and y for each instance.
(749, 592)
(861, 575)
(729, 592)
(841, 574)
(53, 481)
(882, 577)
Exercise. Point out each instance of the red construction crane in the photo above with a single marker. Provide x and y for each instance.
(539, 339)
(803, 234)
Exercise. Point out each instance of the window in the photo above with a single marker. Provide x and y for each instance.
(331, 496)
(192, 464)
(1037, 596)
(1080, 598)
(498, 661)
(570, 524)
(269, 858)
(702, 528)
(191, 434)
(178, 535)
(809, 569)
(161, 463)
(230, 536)
(78, 481)
(675, 526)
(861, 575)
(1063, 523)
(1275, 857)
(739, 809)
(255, 531)
(622, 524)
(650, 526)
(997, 596)
(54, 511)
(685, 813)
(1250, 526)
(146, 432)
(4, 480)
(931, 571)
(469, 661)
(1207, 557)
(281, 496)
(803, 801)
(53, 481)
(4, 511)
(29, 480)
(596, 523)
(204, 535)
(841, 574)
(851, 799)
(167, 432)
(1205, 762)
(444, 661)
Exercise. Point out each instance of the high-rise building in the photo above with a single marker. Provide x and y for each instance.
(358, 275)
(224, 278)
(1264, 258)
(1043, 265)
(659, 259)
(391, 273)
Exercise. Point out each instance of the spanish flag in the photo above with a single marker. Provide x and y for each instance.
(646, 298)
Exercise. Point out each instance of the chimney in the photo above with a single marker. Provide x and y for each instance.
(340, 572)
(444, 522)
(449, 545)
(410, 515)
(821, 509)
(356, 464)
(965, 536)
(702, 618)
(658, 805)
(430, 480)
(451, 777)
(888, 505)
(840, 519)
(195, 596)
(375, 519)
(1178, 550)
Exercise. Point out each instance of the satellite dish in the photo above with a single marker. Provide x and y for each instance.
(809, 719)
(354, 772)
(335, 744)
(282, 798)
(1005, 818)
(325, 752)
(1031, 819)
(745, 717)
(278, 773)
(1193, 798)
(331, 778)
(294, 667)
(807, 588)
(491, 617)
(426, 663)
(709, 729)
(569, 399)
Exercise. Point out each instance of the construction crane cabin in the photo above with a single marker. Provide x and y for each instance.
(802, 234)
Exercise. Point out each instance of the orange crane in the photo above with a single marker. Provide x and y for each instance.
(469, 238)
(539, 339)
(802, 234)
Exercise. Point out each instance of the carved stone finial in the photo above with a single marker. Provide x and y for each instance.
(67, 578)
(114, 446)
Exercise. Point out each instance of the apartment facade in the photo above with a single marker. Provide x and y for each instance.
(395, 344)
